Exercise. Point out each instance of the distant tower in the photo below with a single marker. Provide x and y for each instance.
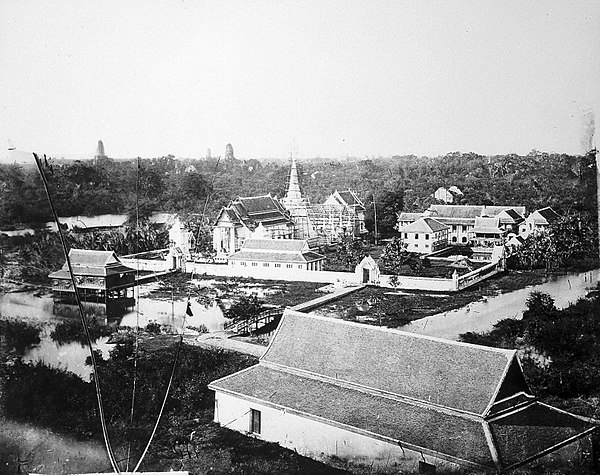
(229, 152)
(100, 155)
(208, 153)
(298, 206)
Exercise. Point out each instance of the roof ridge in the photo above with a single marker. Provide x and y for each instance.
(373, 391)
(508, 353)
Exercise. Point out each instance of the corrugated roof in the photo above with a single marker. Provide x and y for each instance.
(456, 375)
(455, 211)
(411, 424)
(423, 225)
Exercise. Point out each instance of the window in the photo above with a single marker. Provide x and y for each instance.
(277, 265)
(265, 264)
(254, 421)
(426, 246)
(426, 236)
(254, 264)
(300, 266)
(454, 227)
(405, 235)
(416, 245)
(416, 235)
(243, 264)
(289, 266)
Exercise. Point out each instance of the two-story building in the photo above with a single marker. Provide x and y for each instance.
(426, 235)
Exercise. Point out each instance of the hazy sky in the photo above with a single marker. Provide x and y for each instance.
(328, 78)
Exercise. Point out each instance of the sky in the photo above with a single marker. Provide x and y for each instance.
(321, 78)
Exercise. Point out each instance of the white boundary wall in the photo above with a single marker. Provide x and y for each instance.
(325, 277)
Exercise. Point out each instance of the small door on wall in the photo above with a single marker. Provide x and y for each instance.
(366, 276)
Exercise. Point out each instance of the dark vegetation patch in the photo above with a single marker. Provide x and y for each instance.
(187, 438)
(559, 348)
(16, 334)
(72, 330)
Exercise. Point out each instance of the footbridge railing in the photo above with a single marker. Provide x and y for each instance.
(254, 324)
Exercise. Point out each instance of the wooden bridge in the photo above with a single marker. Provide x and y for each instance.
(261, 323)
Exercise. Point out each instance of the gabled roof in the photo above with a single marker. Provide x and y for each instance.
(346, 198)
(91, 263)
(423, 225)
(413, 425)
(276, 250)
(253, 210)
(510, 216)
(455, 211)
(461, 402)
(496, 210)
(409, 216)
(487, 225)
(544, 216)
(456, 375)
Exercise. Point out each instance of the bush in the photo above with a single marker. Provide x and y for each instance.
(72, 330)
(18, 335)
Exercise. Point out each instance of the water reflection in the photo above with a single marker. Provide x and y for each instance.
(41, 310)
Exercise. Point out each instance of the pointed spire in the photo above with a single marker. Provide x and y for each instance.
(293, 192)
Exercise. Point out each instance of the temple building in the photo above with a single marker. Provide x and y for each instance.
(342, 214)
(241, 218)
(298, 206)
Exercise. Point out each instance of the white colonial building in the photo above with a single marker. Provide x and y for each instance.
(426, 235)
(277, 255)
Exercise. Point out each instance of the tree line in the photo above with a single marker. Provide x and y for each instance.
(386, 185)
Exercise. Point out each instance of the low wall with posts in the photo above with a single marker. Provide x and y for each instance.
(478, 275)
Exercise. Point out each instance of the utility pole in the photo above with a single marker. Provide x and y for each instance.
(594, 152)
(375, 213)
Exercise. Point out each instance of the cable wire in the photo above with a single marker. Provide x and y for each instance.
(86, 329)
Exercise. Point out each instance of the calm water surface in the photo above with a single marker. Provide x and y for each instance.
(71, 356)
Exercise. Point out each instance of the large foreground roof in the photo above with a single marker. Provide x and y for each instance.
(466, 403)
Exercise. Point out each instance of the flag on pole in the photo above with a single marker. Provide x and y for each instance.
(189, 309)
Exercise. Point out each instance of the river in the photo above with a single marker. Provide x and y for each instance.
(41, 310)
(481, 316)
